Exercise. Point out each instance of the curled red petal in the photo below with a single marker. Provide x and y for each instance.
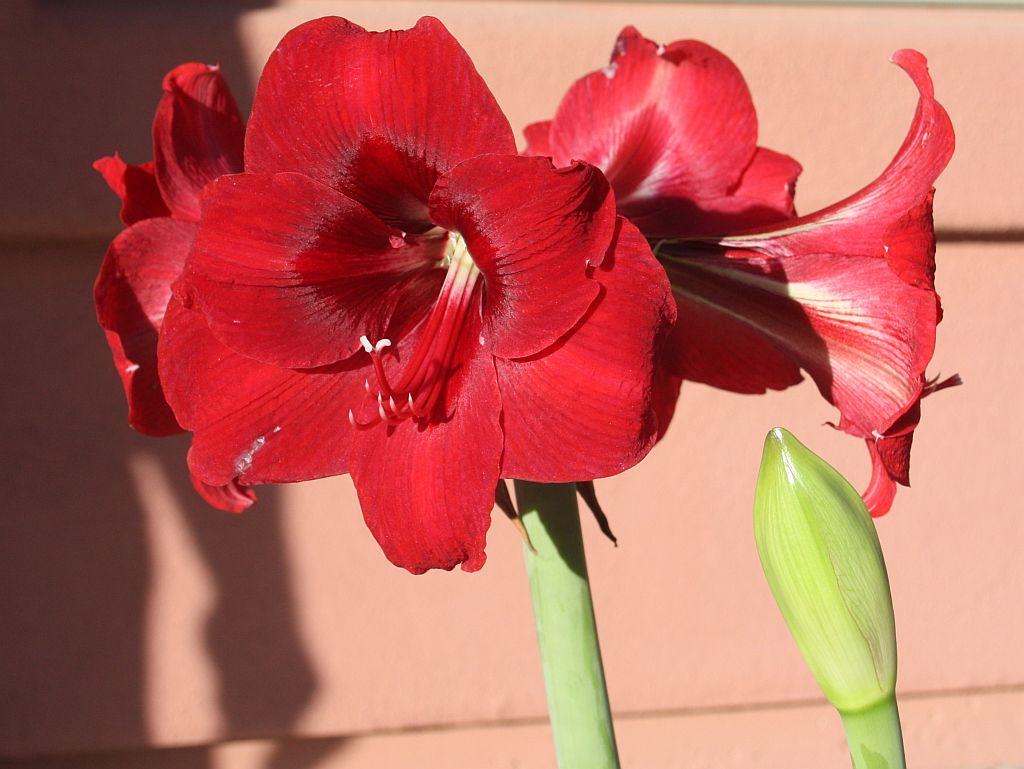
(533, 231)
(427, 491)
(198, 135)
(862, 271)
(131, 294)
(293, 273)
(252, 422)
(890, 452)
(895, 209)
(135, 186)
(845, 293)
(383, 114)
(232, 497)
(881, 491)
(671, 127)
(585, 407)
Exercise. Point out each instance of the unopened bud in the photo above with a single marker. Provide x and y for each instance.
(822, 559)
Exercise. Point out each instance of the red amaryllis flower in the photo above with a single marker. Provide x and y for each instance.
(197, 136)
(390, 291)
(845, 294)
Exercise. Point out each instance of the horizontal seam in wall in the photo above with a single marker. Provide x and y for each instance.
(532, 721)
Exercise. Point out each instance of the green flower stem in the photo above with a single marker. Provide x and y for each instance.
(874, 736)
(571, 657)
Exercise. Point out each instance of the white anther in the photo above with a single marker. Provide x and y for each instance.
(366, 384)
(661, 50)
(352, 417)
(878, 435)
(393, 405)
(610, 70)
(412, 407)
(365, 342)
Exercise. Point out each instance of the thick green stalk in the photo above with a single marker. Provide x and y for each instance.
(571, 657)
(874, 736)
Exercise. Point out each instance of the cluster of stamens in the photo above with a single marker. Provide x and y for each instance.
(415, 393)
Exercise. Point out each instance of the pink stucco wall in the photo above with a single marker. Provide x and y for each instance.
(139, 628)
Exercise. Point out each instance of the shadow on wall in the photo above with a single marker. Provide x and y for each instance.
(96, 68)
(75, 547)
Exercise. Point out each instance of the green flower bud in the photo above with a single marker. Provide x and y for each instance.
(822, 559)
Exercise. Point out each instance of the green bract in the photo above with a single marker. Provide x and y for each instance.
(822, 559)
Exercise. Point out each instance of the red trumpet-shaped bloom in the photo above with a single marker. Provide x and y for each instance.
(390, 291)
(197, 136)
(845, 294)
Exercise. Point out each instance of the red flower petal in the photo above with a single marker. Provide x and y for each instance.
(135, 185)
(862, 334)
(768, 182)
(254, 423)
(427, 491)
(538, 139)
(722, 339)
(671, 127)
(863, 272)
(881, 491)
(197, 136)
(231, 498)
(845, 293)
(764, 196)
(131, 293)
(382, 114)
(889, 218)
(533, 231)
(290, 272)
(584, 408)
(890, 452)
